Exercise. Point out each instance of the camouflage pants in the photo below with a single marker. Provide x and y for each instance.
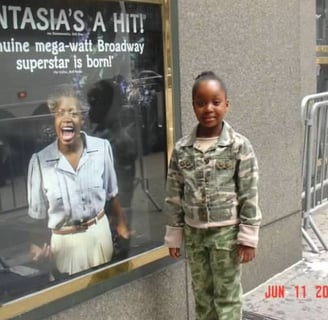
(215, 270)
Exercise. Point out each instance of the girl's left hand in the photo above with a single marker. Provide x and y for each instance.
(246, 254)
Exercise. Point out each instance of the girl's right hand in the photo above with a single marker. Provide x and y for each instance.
(37, 253)
(175, 253)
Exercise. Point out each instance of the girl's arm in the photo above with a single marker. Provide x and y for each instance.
(247, 192)
(173, 206)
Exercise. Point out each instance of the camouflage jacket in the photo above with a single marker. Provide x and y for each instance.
(214, 188)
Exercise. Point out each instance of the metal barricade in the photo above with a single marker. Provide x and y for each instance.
(315, 163)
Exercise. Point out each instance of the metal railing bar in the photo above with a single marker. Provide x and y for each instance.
(315, 121)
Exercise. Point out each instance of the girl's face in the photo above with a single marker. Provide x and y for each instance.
(210, 106)
(68, 121)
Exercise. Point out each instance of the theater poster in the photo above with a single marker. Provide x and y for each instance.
(111, 54)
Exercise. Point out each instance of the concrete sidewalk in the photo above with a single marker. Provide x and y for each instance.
(300, 292)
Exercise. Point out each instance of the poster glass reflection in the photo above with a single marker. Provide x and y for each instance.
(82, 138)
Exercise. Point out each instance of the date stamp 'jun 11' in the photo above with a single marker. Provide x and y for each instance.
(297, 291)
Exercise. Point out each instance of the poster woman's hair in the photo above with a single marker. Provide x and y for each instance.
(67, 90)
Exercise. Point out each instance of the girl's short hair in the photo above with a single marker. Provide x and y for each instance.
(208, 75)
(66, 90)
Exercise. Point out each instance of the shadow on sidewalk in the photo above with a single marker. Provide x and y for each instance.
(247, 315)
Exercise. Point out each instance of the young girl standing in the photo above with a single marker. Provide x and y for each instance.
(212, 202)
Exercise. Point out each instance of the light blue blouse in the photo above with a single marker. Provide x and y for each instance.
(57, 191)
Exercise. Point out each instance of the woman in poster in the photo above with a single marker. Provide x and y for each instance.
(69, 182)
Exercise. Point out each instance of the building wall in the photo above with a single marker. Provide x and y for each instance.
(267, 70)
(265, 52)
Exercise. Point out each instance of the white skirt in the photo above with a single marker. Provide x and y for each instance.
(79, 251)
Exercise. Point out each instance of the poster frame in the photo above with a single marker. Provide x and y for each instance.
(51, 294)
